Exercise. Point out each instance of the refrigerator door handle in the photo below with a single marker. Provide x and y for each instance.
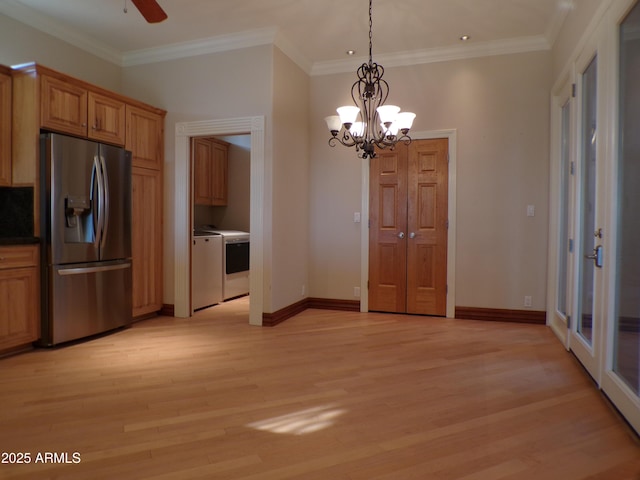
(94, 202)
(105, 204)
(83, 270)
(100, 183)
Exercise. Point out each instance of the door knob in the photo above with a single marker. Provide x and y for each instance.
(401, 235)
(412, 235)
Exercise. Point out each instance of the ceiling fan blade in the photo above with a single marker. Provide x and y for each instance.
(150, 10)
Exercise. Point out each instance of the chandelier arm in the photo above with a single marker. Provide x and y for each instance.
(406, 139)
(369, 93)
(347, 140)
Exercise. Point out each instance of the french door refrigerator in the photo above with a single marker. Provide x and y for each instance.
(85, 220)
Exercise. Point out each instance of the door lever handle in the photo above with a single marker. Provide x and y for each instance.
(596, 256)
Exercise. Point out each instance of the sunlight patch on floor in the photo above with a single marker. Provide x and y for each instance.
(302, 422)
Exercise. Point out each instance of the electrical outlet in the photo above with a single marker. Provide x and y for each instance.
(356, 292)
(527, 301)
(531, 210)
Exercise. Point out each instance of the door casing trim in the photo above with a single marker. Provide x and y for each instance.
(255, 126)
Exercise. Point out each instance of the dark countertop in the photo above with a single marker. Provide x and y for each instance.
(4, 241)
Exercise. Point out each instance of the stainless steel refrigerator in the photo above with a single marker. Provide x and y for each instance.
(86, 238)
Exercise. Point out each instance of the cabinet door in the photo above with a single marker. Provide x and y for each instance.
(5, 129)
(19, 296)
(106, 119)
(144, 137)
(147, 241)
(219, 174)
(63, 107)
(202, 149)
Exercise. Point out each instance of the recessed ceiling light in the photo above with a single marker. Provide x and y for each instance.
(350, 52)
(464, 38)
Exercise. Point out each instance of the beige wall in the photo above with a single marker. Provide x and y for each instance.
(249, 82)
(499, 107)
(22, 44)
(290, 220)
(217, 86)
(574, 26)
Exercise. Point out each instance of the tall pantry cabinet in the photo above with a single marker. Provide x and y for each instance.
(49, 100)
(144, 137)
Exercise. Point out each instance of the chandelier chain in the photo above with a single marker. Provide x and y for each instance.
(370, 33)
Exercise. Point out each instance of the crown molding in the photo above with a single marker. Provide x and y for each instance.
(220, 43)
(32, 18)
(444, 54)
(271, 36)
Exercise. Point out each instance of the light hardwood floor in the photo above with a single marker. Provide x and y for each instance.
(325, 395)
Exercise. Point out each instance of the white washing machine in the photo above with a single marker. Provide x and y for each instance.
(206, 270)
(235, 261)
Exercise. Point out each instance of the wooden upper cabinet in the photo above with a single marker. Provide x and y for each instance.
(5, 128)
(63, 106)
(202, 167)
(144, 137)
(210, 166)
(106, 118)
(219, 177)
(70, 108)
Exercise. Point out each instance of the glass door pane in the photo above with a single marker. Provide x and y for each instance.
(626, 353)
(563, 234)
(588, 203)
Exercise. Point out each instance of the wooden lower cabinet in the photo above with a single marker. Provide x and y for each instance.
(19, 296)
(147, 241)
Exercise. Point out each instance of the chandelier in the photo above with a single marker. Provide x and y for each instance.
(370, 123)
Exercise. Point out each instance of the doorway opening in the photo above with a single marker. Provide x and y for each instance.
(253, 126)
(221, 174)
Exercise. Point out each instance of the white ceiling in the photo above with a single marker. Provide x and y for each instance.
(315, 33)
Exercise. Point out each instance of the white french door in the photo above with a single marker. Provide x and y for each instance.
(585, 330)
(621, 372)
(594, 287)
(561, 230)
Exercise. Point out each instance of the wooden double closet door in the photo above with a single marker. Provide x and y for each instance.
(408, 215)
